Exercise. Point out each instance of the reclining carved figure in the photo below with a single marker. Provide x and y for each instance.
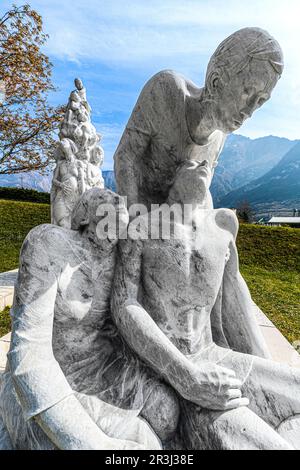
(182, 305)
(70, 382)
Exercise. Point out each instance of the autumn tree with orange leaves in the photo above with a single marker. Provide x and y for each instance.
(27, 121)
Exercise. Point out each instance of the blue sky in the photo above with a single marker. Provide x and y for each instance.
(116, 45)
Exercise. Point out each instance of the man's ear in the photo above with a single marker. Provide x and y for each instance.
(213, 82)
(85, 222)
(83, 214)
(80, 215)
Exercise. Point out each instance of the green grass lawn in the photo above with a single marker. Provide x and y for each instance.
(4, 322)
(16, 220)
(269, 261)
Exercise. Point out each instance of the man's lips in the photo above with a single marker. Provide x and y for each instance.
(203, 170)
(240, 121)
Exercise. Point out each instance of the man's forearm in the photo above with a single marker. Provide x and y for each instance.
(239, 310)
(150, 343)
(69, 426)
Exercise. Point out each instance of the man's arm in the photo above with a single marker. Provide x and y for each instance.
(238, 312)
(134, 322)
(127, 162)
(69, 427)
(133, 147)
(209, 386)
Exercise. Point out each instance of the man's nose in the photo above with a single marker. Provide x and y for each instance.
(249, 109)
(246, 113)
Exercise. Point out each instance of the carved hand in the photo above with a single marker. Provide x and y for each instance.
(57, 183)
(67, 190)
(213, 387)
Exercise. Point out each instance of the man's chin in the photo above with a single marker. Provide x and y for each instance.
(233, 127)
(228, 128)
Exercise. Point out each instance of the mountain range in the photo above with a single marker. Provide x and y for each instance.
(277, 190)
(42, 182)
(264, 171)
(244, 160)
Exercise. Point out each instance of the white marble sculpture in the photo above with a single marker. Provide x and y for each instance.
(78, 158)
(142, 341)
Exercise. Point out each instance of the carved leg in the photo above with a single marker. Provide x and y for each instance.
(14, 430)
(119, 423)
(239, 429)
(161, 411)
(5, 441)
(274, 393)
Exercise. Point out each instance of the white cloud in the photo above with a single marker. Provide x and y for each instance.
(142, 35)
(109, 30)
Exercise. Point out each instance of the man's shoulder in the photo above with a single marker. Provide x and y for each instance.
(168, 78)
(227, 220)
(163, 85)
(158, 101)
(46, 237)
(45, 232)
(167, 74)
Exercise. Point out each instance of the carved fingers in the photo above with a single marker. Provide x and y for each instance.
(214, 387)
(237, 403)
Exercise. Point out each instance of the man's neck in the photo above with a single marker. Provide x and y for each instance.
(186, 213)
(103, 249)
(200, 122)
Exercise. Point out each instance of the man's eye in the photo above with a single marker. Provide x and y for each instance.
(261, 101)
(250, 101)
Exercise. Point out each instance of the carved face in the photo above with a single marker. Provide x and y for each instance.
(97, 156)
(192, 182)
(95, 206)
(238, 98)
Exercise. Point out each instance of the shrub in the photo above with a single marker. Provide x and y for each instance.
(21, 194)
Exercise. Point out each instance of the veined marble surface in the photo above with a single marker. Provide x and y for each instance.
(78, 158)
(139, 342)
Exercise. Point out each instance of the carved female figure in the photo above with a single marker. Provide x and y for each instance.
(66, 184)
(94, 176)
(68, 384)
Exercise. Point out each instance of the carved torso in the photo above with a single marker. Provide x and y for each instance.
(181, 281)
(159, 118)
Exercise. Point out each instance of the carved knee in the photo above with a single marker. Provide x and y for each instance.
(162, 411)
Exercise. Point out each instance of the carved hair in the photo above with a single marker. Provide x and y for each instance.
(235, 53)
(88, 204)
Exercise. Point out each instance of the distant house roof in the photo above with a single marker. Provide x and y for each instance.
(285, 220)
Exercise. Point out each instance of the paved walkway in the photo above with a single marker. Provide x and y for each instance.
(8, 278)
(4, 347)
(279, 347)
(7, 282)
